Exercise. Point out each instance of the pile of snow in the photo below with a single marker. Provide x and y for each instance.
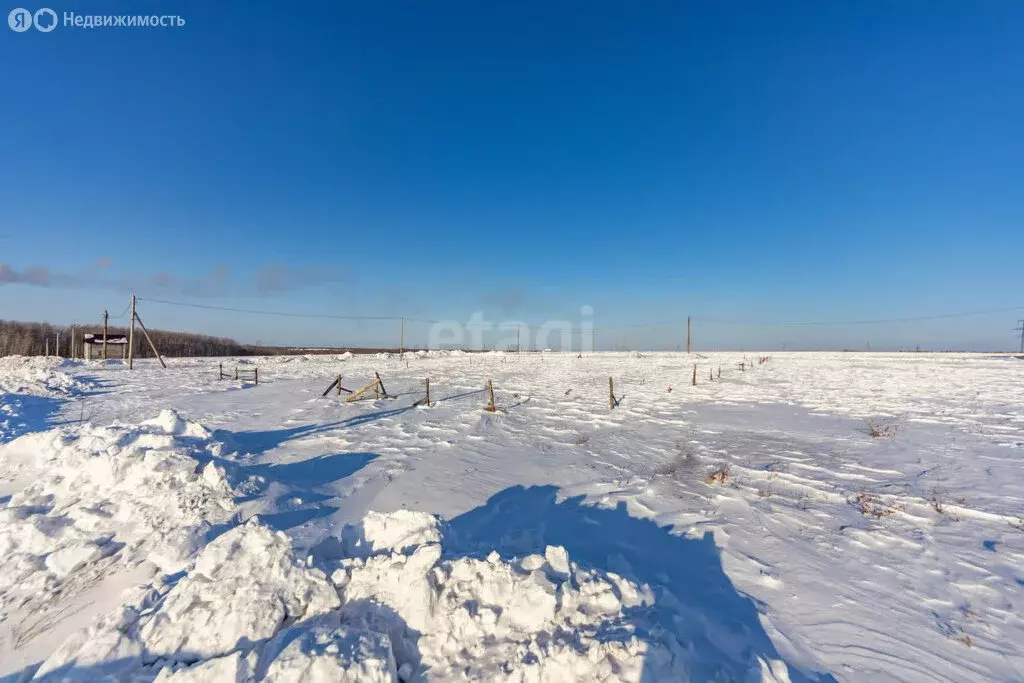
(244, 589)
(37, 376)
(101, 495)
(391, 610)
(22, 378)
(540, 617)
(444, 353)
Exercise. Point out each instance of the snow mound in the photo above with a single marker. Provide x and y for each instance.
(100, 495)
(243, 589)
(250, 610)
(532, 618)
(395, 531)
(37, 376)
(169, 422)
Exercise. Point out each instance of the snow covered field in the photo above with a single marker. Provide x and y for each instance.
(167, 525)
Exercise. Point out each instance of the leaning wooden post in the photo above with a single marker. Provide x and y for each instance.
(339, 386)
(131, 337)
(151, 344)
(611, 393)
(490, 392)
(694, 374)
(380, 385)
(427, 382)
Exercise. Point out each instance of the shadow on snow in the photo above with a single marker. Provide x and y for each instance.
(258, 442)
(695, 600)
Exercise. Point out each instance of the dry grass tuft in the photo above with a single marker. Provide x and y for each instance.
(872, 506)
(877, 430)
(720, 475)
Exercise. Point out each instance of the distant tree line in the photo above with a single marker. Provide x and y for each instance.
(30, 339)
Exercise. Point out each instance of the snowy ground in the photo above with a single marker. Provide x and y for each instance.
(167, 525)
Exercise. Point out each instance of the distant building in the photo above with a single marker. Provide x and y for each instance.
(92, 345)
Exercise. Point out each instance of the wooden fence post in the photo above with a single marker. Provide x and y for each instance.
(427, 382)
(236, 372)
(220, 371)
(694, 374)
(256, 375)
(380, 386)
(490, 392)
(611, 393)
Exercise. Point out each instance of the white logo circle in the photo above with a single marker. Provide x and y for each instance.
(45, 12)
(19, 20)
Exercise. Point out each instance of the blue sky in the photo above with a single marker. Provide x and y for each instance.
(743, 161)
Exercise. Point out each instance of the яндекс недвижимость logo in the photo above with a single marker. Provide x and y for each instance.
(45, 20)
(21, 20)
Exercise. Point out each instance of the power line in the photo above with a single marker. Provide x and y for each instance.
(664, 323)
(279, 313)
(877, 321)
(122, 314)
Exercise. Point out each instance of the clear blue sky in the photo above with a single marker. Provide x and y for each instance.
(768, 161)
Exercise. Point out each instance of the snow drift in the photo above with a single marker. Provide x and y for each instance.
(105, 494)
(36, 376)
(392, 609)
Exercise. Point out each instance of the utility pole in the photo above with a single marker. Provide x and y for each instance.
(1021, 330)
(106, 316)
(687, 334)
(131, 337)
(401, 337)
